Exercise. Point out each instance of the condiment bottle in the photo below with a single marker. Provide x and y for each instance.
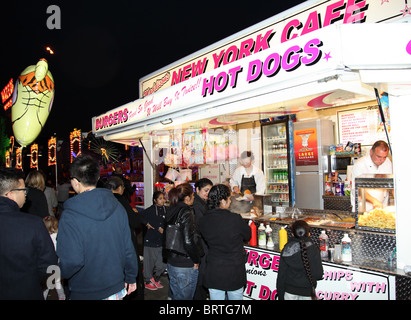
(324, 245)
(269, 232)
(283, 238)
(346, 254)
(253, 240)
(262, 239)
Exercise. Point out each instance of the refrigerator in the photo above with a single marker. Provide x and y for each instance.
(277, 161)
(312, 140)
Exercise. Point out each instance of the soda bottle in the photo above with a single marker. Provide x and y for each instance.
(324, 244)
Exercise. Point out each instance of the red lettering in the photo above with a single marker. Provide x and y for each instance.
(262, 43)
(230, 55)
(245, 48)
(332, 13)
(313, 23)
(199, 67)
(286, 34)
(359, 9)
(218, 59)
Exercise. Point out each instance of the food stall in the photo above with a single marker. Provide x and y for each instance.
(300, 66)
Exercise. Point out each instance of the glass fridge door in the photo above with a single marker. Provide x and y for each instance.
(275, 163)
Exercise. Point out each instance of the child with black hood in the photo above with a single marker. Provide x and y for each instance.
(153, 218)
(300, 265)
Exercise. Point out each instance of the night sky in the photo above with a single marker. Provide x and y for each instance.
(104, 47)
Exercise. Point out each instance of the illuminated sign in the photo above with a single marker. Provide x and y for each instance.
(75, 144)
(6, 94)
(34, 150)
(52, 159)
(19, 158)
(8, 159)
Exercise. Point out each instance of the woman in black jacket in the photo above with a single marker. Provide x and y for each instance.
(300, 265)
(183, 268)
(224, 233)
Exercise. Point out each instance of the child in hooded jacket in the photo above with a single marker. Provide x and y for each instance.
(153, 218)
(300, 265)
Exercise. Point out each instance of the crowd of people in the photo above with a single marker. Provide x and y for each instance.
(92, 246)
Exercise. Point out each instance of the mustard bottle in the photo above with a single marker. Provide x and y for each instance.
(283, 237)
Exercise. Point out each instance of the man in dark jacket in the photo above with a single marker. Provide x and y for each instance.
(26, 249)
(94, 241)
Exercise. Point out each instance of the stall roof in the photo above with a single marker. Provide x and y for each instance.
(324, 68)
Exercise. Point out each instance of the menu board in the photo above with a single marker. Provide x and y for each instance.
(362, 125)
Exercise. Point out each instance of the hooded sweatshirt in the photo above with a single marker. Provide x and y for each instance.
(94, 245)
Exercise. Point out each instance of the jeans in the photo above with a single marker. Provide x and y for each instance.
(216, 294)
(183, 282)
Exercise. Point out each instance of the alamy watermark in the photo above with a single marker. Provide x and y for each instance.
(54, 280)
(54, 20)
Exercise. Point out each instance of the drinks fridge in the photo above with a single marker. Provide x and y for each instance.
(312, 140)
(276, 138)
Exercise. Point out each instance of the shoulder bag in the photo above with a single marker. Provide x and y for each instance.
(174, 237)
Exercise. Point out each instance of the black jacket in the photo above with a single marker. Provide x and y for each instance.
(155, 216)
(26, 251)
(191, 234)
(292, 277)
(224, 233)
(134, 220)
(36, 203)
(200, 207)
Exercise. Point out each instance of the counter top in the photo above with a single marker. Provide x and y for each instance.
(376, 265)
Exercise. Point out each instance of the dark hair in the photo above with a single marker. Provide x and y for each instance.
(301, 230)
(217, 193)
(200, 184)
(86, 170)
(247, 154)
(178, 193)
(157, 195)
(380, 144)
(9, 179)
(114, 182)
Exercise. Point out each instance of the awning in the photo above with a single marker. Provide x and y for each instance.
(331, 67)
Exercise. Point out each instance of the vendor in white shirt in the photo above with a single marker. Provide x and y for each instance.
(376, 162)
(248, 176)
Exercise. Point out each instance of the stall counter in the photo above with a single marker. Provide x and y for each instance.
(368, 277)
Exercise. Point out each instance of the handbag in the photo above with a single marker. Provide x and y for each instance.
(174, 238)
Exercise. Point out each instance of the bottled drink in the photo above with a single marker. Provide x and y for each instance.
(283, 237)
(269, 232)
(262, 240)
(346, 254)
(324, 244)
(253, 240)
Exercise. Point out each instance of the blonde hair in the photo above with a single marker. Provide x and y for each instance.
(52, 224)
(35, 179)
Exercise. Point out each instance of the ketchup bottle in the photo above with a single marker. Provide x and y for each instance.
(253, 240)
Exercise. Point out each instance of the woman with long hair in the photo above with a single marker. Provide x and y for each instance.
(225, 233)
(300, 265)
(182, 268)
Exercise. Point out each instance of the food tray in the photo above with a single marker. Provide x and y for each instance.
(346, 225)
